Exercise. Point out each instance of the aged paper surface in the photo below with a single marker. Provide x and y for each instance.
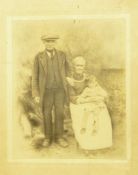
(99, 39)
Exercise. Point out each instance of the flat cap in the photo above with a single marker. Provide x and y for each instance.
(49, 37)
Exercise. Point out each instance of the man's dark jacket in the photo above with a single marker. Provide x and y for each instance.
(39, 75)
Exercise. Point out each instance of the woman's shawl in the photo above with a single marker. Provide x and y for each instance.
(91, 91)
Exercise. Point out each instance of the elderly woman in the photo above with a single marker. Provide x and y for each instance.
(90, 117)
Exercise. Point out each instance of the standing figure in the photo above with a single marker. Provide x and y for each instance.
(49, 89)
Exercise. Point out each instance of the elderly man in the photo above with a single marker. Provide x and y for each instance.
(49, 88)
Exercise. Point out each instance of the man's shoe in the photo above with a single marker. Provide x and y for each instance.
(46, 143)
(62, 142)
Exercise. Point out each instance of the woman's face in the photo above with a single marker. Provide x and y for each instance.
(79, 67)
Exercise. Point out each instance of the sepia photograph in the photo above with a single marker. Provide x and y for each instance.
(68, 80)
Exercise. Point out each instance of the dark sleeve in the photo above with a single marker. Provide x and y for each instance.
(72, 95)
(35, 78)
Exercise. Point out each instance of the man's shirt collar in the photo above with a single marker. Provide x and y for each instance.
(50, 53)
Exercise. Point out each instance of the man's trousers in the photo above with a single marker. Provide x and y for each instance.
(53, 98)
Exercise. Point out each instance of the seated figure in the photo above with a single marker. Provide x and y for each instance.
(90, 117)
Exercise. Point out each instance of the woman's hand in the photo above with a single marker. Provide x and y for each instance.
(97, 98)
(80, 100)
(70, 81)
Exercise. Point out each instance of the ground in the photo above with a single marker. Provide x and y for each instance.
(114, 82)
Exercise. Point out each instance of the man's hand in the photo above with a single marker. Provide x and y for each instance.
(37, 99)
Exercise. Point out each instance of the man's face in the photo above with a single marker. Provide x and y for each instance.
(49, 44)
(79, 67)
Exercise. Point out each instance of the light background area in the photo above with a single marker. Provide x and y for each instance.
(101, 41)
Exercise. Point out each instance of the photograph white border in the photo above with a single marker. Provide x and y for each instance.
(10, 20)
